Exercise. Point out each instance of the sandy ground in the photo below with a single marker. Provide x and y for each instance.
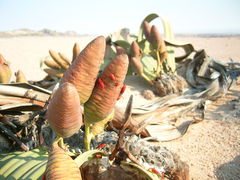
(26, 53)
(211, 148)
(221, 49)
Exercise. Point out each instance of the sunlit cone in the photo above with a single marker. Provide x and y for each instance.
(64, 112)
(83, 71)
(99, 127)
(146, 30)
(61, 166)
(5, 71)
(64, 58)
(137, 65)
(58, 65)
(156, 40)
(51, 64)
(20, 77)
(58, 59)
(98, 110)
(106, 90)
(120, 50)
(54, 72)
(135, 50)
(135, 56)
(76, 51)
(158, 44)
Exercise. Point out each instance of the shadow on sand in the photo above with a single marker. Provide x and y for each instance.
(229, 170)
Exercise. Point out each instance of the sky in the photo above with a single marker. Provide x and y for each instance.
(107, 16)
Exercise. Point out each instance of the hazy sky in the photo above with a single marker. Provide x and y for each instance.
(106, 16)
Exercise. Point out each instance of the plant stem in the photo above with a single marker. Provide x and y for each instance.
(87, 138)
(59, 142)
(158, 63)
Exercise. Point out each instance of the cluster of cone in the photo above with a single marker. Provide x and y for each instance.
(165, 82)
(59, 63)
(153, 36)
(6, 73)
(80, 85)
(157, 51)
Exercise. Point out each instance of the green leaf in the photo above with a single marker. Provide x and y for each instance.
(23, 165)
(188, 48)
(150, 66)
(145, 46)
(124, 44)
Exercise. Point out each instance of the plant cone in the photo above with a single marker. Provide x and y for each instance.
(135, 50)
(120, 50)
(137, 65)
(58, 59)
(5, 71)
(98, 110)
(61, 166)
(99, 127)
(135, 56)
(53, 72)
(146, 30)
(52, 64)
(64, 112)
(20, 77)
(156, 40)
(64, 58)
(76, 51)
(106, 91)
(83, 71)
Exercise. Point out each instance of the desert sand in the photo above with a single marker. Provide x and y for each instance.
(211, 148)
(25, 53)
